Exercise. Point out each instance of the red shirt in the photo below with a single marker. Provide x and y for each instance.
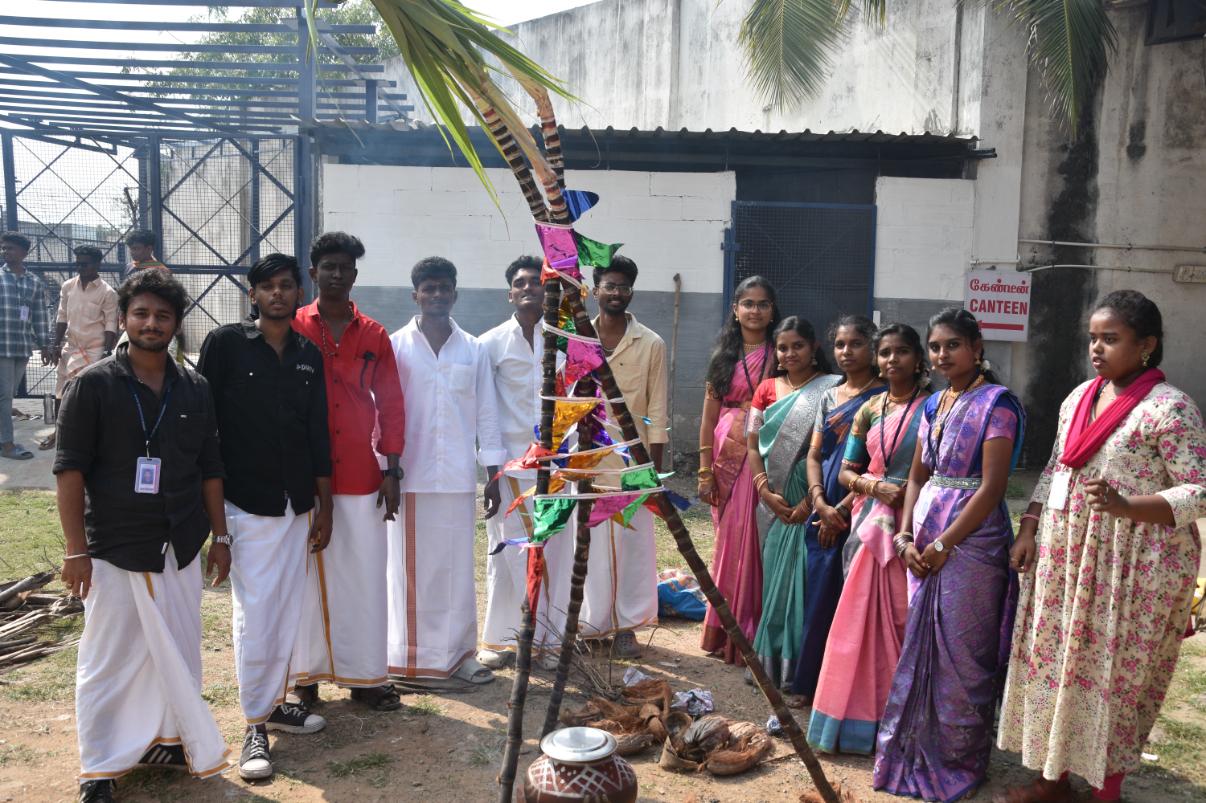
(364, 398)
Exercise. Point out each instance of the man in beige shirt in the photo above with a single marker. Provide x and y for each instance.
(621, 580)
(86, 327)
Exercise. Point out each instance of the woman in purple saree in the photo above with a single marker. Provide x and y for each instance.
(936, 733)
(742, 359)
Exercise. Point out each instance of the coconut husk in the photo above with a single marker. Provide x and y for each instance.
(748, 751)
(636, 727)
(706, 735)
(649, 690)
(715, 744)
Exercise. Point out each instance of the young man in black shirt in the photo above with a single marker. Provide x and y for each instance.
(139, 490)
(271, 399)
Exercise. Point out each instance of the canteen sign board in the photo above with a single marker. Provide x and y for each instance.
(1000, 302)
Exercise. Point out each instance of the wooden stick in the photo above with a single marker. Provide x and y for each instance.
(686, 548)
(523, 652)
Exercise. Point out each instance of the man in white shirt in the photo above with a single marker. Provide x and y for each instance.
(451, 417)
(621, 579)
(514, 349)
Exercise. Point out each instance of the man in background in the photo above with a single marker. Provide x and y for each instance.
(140, 245)
(86, 326)
(23, 326)
(621, 579)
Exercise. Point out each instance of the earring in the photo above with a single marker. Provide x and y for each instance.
(814, 362)
(1146, 357)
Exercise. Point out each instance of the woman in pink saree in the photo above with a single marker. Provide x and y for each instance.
(741, 360)
(868, 627)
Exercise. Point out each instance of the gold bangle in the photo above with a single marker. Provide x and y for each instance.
(705, 448)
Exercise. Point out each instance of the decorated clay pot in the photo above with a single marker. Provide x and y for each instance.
(580, 764)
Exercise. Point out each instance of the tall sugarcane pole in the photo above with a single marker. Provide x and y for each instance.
(586, 430)
(686, 547)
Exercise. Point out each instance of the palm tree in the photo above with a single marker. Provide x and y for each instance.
(789, 43)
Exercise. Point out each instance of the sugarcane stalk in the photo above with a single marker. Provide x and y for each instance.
(511, 152)
(523, 653)
(686, 548)
(586, 431)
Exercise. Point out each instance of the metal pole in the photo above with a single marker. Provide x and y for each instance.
(10, 182)
(253, 219)
(370, 100)
(144, 200)
(304, 209)
(155, 180)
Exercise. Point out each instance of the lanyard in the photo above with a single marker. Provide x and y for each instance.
(167, 393)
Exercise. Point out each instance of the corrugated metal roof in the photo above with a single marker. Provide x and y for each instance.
(876, 137)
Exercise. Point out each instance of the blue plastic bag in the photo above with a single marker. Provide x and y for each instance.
(675, 600)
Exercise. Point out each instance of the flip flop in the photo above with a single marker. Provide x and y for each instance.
(472, 672)
(381, 698)
(46, 443)
(17, 452)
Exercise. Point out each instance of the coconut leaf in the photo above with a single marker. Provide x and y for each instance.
(787, 47)
(445, 46)
(1070, 45)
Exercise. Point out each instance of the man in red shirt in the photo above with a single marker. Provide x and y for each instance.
(344, 629)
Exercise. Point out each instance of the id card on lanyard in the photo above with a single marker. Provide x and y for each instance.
(148, 469)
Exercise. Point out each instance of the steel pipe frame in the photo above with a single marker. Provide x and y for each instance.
(250, 66)
(168, 47)
(161, 91)
(201, 27)
(187, 78)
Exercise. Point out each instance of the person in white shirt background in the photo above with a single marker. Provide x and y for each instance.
(451, 418)
(514, 349)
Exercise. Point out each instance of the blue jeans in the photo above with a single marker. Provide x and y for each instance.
(12, 371)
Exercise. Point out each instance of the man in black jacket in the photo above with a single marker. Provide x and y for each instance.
(140, 489)
(270, 395)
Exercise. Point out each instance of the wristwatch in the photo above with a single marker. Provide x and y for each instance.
(938, 546)
(225, 540)
(395, 472)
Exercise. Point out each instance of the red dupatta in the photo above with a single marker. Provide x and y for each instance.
(1086, 435)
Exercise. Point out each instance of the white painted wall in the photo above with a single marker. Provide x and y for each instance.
(668, 222)
(924, 236)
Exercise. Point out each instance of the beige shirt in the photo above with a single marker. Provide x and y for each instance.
(88, 311)
(639, 366)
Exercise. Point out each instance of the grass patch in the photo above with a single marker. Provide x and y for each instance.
(31, 539)
(222, 695)
(51, 679)
(374, 767)
(1180, 749)
(1015, 490)
(424, 706)
(486, 754)
(18, 754)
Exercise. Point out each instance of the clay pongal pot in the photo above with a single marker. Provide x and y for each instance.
(580, 764)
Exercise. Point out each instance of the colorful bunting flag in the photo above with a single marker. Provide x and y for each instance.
(529, 459)
(560, 251)
(555, 486)
(579, 202)
(609, 506)
(594, 254)
(637, 479)
(568, 413)
(551, 516)
(581, 358)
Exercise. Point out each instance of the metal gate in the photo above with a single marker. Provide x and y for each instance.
(819, 257)
(215, 204)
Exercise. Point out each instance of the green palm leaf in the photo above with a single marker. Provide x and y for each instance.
(1070, 45)
(444, 45)
(787, 47)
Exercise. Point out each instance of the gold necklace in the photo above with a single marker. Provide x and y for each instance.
(794, 388)
(849, 395)
(752, 347)
(902, 399)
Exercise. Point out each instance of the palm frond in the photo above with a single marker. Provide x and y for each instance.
(787, 45)
(875, 12)
(1070, 45)
(444, 45)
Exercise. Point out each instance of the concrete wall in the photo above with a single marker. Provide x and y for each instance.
(677, 63)
(669, 223)
(1135, 174)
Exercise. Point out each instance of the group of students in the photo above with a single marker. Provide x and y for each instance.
(865, 547)
(335, 466)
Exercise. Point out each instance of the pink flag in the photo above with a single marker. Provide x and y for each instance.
(580, 359)
(603, 509)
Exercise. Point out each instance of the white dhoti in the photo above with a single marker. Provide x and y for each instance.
(268, 580)
(621, 578)
(432, 601)
(343, 629)
(507, 572)
(75, 359)
(138, 675)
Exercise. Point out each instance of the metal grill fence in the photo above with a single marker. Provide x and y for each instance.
(819, 257)
(216, 205)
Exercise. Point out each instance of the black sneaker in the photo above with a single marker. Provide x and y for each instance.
(295, 718)
(97, 791)
(255, 763)
(170, 756)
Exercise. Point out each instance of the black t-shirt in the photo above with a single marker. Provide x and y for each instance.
(272, 417)
(101, 436)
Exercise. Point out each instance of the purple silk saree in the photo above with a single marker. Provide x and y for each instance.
(936, 733)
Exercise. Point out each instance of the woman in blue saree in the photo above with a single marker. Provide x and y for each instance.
(828, 527)
(936, 733)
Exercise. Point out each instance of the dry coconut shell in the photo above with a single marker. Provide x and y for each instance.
(650, 690)
(742, 755)
(629, 744)
(706, 735)
(671, 760)
(582, 715)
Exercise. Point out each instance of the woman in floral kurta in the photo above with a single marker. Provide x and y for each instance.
(1103, 609)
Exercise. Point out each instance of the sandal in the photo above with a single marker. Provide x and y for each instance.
(471, 671)
(307, 694)
(1040, 790)
(17, 452)
(46, 443)
(381, 698)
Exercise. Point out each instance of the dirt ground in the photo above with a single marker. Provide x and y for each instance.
(447, 747)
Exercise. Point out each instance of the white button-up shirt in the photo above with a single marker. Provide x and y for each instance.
(516, 368)
(451, 411)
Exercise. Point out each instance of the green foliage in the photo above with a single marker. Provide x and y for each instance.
(788, 44)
